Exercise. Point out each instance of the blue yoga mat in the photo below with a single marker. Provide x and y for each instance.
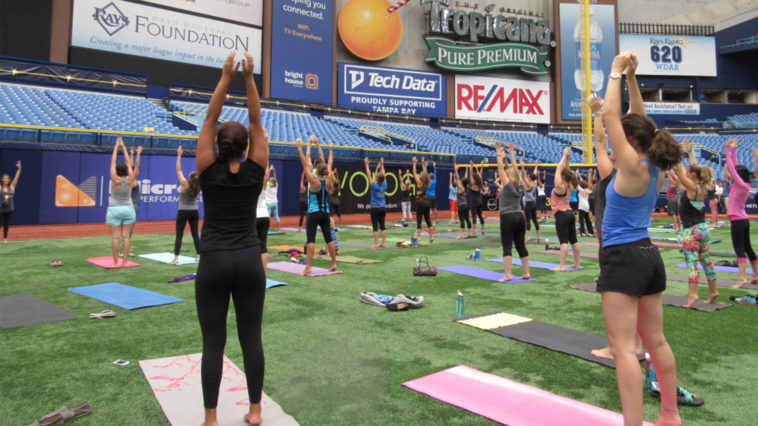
(124, 296)
(167, 257)
(274, 283)
(482, 273)
(534, 264)
(720, 268)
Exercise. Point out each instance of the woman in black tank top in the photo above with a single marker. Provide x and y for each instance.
(231, 264)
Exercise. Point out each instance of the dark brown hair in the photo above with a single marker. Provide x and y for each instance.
(121, 169)
(379, 178)
(231, 138)
(322, 169)
(193, 185)
(664, 151)
(743, 172)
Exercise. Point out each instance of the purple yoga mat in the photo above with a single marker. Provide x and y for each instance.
(719, 268)
(534, 264)
(482, 273)
(296, 268)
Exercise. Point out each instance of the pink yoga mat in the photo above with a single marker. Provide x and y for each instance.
(296, 268)
(292, 229)
(107, 262)
(509, 402)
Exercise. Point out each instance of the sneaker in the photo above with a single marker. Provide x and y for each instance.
(683, 396)
(745, 300)
(374, 299)
(412, 301)
(322, 251)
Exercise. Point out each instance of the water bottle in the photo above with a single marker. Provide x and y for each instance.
(418, 263)
(414, 241)
(597, 76)
(477, 255)
(459, 305)
(547, 243)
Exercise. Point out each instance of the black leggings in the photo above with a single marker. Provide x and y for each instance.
(741, 239)
(335, 209)
(315, 220)
(463, 215)
(262, 224)
(476, 211)
(541, 206)
(530, 210)
(182, 217)
(303, 209)
(377, 218)
(422, 210)
(238, 273)
(513, 231)
(5, 219)
(565, 226)
(584, 217)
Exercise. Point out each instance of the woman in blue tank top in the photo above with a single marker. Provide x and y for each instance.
(378, 203)
(632, 273)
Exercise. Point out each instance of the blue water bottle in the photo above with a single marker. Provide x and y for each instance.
(459, 305)
(414, 241)
(477, 255)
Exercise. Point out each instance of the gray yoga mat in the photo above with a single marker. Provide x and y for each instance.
(175, 382)
(668, 299)
(721, 282)
(475, 242)
(21, 310)
(583, 254)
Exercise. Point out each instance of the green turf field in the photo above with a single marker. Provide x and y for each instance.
(333, 360)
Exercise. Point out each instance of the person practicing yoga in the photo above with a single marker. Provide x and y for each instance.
(696, 238)
(477, 185)
(672, 203)
(431, 191)
(189, 189)
(565, 222)
(405, 196)
(262, 218)
(422, 205)
(512, 221)
(121, 215)
(584, 192)
(461, 188)
(303, 200)
(541, 197)
(632, 273)
(319, 184)
(452, 199)
(135, 193)
(230, 262)
(738, 219)
(270, 194)
(7, 205)
(334, 197)
(530, 200)
(377, 205)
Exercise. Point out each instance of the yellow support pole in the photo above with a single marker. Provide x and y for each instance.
(586, 55)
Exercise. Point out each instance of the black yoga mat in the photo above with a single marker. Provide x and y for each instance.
(669, 299)
(722, 282)
(21, 310)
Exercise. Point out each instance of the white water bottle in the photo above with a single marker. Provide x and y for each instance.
(597, 77)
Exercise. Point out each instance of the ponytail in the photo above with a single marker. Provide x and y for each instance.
(664, 151)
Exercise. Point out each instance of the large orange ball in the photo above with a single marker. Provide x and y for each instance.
(369, 30)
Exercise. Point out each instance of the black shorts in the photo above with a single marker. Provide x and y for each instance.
(634, 268)
(565, 227)
(432, 201)
(262, 225)
(672, 207)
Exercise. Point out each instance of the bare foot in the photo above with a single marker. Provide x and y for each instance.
(306, 272)
(691, 301)
(373, 246)
(602, 353)
(559, 268)
(431, 240)
(382, 245)
(712, 297)
(253, 419)
(740, 284)
(459, 236)
(577, 267)
(506, 277)
(333, 268)
(525, 277)
(198, 257)
(538, 239)
(668, 417)
(175, 261)
(209, 424)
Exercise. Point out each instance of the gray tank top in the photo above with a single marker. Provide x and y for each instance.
(121, 195)
(461, 198)
(510, 198)
(186, 202)
(6, 201)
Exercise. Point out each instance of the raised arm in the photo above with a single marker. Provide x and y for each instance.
(302, 182)
(604, 163)
(526, 181)
(679, 176)
(415, 175)
(690, 152)
(313, 180)
(206, 153)
(179, 174)
(367, 163)
(564, 163)
(755, 164)
(500, 153)
(330, 161)
(626, 156)
(138, 161)
(114, 157)
(636, 104)
(14, 182)
(400, 179)
(258, 150)
(731, 162)
(381, 162)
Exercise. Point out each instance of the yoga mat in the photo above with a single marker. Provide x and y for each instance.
(296, 268)
(490, 321)
(583, 254)
(183, 278)
(360, 226)
(167, 257)
(534, 264)
(447, 235)
(509, 402)
(124, 296)
(660, 230)
(659, 244)
(719, 268)
(483, 274)
(344, 258)
(292, 229)
(274, 283)
(356, 244)
(655, 244)
(672, 239)
(667, 299)
(276, 233)
(284, 248)
(474, 242)
(175, 382)
(703, 280)
(107, 262)
(722, 254)
(21, 310)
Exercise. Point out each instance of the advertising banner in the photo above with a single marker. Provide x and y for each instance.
(485, 98)
(672, 55)
(672, 108)
(302, 50)
(134, 29)
(392, 90)
(248, 12)
(602, 52)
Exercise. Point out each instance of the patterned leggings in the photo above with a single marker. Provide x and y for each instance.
(696, 246)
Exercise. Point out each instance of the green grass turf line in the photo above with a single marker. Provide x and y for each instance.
(333, 360)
